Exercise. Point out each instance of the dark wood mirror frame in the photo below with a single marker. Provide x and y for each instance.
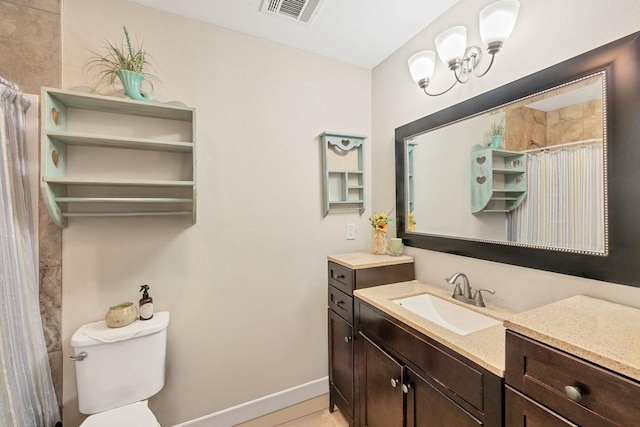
(621, 62)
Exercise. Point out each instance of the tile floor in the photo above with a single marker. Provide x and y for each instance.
(319, 419)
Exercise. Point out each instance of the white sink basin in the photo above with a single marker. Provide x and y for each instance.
(451, 316)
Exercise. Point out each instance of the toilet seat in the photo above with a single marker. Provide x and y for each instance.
(134, 415)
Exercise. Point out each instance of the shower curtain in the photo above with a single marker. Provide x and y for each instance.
(565, 195)
(27, 397)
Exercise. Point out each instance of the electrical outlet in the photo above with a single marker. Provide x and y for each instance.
(351, 231)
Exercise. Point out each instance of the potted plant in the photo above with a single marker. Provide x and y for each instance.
(497, 134)
(128, 63)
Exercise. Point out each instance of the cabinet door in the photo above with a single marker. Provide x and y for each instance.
(427, 407)
(519, 411)
(341, 362)
(381, 397)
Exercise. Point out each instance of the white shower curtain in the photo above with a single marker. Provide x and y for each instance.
(564, 203)
(27, 397)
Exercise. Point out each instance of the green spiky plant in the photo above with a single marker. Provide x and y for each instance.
(123, 56)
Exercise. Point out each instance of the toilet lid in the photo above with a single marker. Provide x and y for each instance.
(134, 415)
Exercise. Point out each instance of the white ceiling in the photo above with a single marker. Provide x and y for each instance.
(359, 32)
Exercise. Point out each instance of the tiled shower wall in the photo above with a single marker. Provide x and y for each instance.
(30, 56)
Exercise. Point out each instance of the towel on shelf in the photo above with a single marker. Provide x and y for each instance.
(99, 331)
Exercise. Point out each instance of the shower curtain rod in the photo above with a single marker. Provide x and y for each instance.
(568, 144)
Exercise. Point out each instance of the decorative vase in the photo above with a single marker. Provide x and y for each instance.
(497, 141)
(121, 315)
(379, 243)
(131, 82)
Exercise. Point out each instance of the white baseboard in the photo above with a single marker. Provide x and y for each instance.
(262, 406)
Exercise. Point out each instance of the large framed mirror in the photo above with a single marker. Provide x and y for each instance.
(542, 172)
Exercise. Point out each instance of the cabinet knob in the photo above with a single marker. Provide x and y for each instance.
(394, 382)
(341, 276)
(573, 392)
(406, 388)
(347, 339)
(339, 302)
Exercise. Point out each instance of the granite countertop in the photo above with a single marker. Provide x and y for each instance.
(358, 260)
(485, 347)
(601, 332)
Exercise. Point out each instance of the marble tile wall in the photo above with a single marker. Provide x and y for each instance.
(577, 122)
(523, 126)
(30, 56)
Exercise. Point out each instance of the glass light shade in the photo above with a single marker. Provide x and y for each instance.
(497, 20)
(451, 44)
(422, 65)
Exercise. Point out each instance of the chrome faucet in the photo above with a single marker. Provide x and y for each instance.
(464, 294)
(466, 288)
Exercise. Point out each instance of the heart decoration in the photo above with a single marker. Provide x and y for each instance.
(55, 116)
(54, 158)
(481, 179)
(481, 160)
(345, 142)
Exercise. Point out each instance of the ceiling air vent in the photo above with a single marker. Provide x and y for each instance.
(301, 11)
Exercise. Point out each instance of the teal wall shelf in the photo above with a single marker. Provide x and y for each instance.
(65, 118)
(343, 172)
(498, 180)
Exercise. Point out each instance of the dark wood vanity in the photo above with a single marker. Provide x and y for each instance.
(345, 274)
(573, 362)
(406, 379)
(548, 387)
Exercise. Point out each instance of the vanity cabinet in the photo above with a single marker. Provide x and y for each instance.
(406, 379)
(498, 180)
(345, 274)
(104, 156)
(548, 387)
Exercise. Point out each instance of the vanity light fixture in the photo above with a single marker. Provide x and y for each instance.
(496, 24)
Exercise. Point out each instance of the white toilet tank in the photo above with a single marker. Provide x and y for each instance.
(122, 365)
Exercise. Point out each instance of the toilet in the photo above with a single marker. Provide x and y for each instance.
(118, 369)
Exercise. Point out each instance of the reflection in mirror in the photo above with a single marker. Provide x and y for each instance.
(529, 173)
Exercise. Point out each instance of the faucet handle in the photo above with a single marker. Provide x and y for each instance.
(457, 290)
(477, 296)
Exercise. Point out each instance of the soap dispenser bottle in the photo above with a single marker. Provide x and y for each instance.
(146, 304)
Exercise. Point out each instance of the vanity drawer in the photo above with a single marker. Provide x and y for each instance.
(347, 279)
(520, 411)
(542, 373)
(341, 277)
(341, 303)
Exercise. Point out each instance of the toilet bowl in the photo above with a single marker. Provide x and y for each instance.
(118, 369)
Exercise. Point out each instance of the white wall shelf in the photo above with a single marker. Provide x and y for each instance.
(89, 170)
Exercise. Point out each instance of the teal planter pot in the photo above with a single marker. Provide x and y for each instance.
(131, 82)
(497, 141)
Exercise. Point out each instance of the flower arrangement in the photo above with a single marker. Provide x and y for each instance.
(380, 223)
(412, 223)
